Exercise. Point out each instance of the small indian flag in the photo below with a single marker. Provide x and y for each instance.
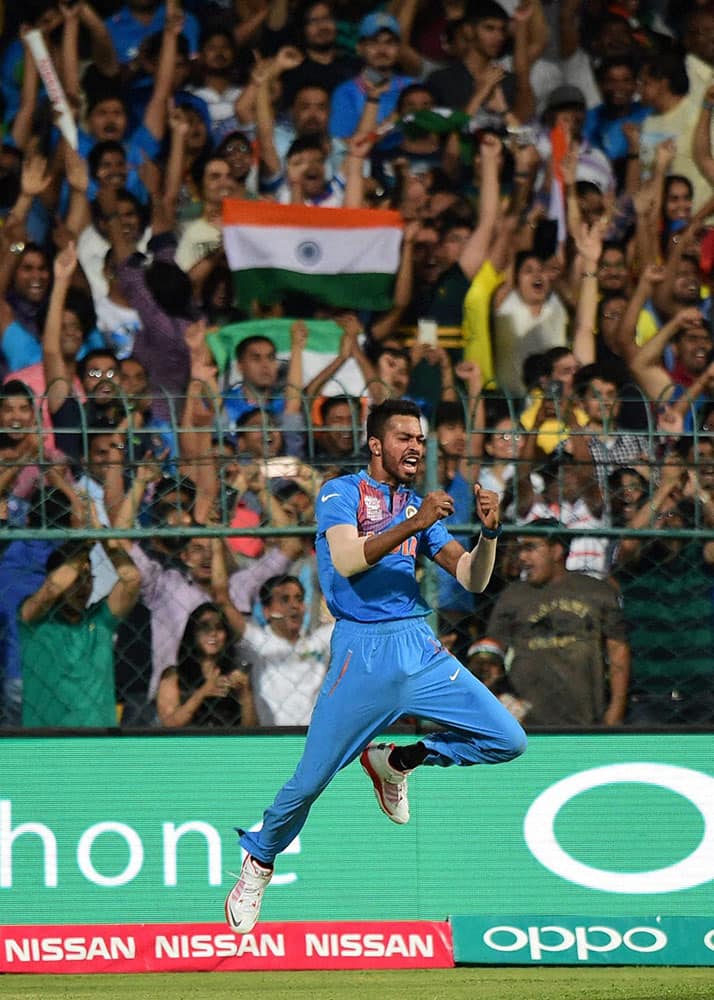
(344, 257)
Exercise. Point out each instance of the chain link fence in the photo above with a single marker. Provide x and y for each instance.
(164, 575)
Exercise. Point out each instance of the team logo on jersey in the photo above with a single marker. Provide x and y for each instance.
(410, 510)
(373, 508)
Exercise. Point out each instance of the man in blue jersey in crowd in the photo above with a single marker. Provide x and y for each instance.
(386, 661)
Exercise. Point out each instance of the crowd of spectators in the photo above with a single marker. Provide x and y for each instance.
(553, 167)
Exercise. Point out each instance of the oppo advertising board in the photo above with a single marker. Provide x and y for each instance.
(589, 848)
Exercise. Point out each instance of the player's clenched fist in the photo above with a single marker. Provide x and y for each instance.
(434, 507)
(487, 507)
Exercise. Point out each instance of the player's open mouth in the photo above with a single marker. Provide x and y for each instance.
(410, 462)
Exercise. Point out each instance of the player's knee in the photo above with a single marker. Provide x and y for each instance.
(514, 743)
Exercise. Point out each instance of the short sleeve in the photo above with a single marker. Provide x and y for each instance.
(336, 503)
(434, 539)
(613, 619)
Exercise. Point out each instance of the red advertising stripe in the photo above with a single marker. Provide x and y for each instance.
(212, 947)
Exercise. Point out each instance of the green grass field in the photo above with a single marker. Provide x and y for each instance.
(432, 984)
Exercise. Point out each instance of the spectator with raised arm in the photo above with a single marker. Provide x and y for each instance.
(24, 274)
(216, 78)
(98, 405)
(139, 19)
(325, 64)
(67, 647)
(171, 594)
(692, 342)
(162, 296)
(378, 45)
(613, 126)
(200, 248)
(475, 80)
(664, 86)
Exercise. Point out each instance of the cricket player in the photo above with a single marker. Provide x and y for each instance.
(385, 660)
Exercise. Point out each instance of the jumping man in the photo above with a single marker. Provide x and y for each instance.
(386, 661)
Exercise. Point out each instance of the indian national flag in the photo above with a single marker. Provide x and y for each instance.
(341, 256)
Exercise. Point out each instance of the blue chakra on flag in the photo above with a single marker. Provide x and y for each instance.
(308, 253)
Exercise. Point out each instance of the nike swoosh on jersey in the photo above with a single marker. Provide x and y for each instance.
(452, 677)
(329, 496)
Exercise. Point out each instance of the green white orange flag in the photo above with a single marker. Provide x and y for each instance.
(344, 257)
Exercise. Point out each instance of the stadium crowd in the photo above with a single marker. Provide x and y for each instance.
(552, 165)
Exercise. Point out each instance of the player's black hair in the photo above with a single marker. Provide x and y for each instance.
(379, 415)
(265, 594)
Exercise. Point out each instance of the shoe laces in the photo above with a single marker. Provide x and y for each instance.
(394, 791)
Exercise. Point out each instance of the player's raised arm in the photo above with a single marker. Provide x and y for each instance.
(354, 554)
(473, 569)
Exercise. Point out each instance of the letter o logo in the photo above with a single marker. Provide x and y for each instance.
(520, 938)
(84, 853)
(696, 869)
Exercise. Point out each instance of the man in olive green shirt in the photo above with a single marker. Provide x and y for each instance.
(68, 648)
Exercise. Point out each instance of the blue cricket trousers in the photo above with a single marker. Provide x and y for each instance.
(379, 672)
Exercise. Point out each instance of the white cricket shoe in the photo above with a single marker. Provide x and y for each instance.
(244, 899)
(390, 785)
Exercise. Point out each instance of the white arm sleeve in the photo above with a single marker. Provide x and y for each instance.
(346, 549)
(474, 568)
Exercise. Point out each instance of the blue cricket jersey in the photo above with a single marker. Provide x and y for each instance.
(388, 590)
